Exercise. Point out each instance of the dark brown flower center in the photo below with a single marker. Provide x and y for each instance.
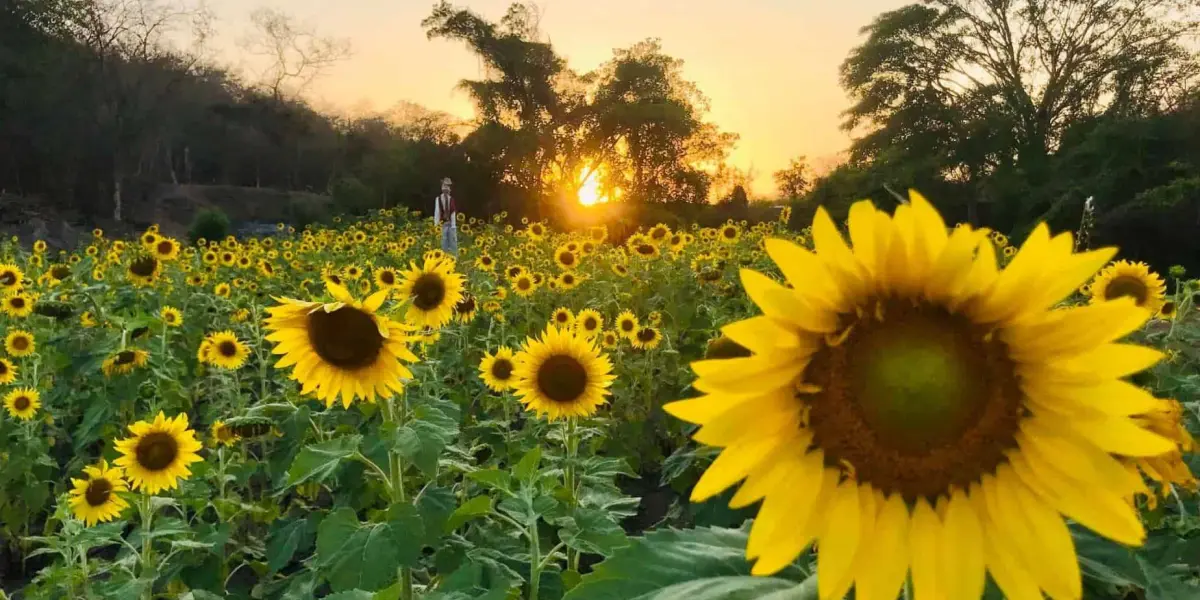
(20, 343)
(466, 305)
(388, 278)
(562, 378)
(98, 492)
(21, 403)
(627, 325)
(17, 302)
(165, 247)
(346, 338)
(227, 349)
(590, 323)
(567, 259)
(428, 291)
(126, 357)
(523, 284)
(60, 272)
(568, 279)
(1127, 285)
(645, 249)
(646, 334)
(916, 403)
(156, 451)
(729, 232)
(3, 368)
(561, 317)
(144, 267)
(502, 369)
(514, 271)
(8, 278)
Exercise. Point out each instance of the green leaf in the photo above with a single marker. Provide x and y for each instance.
(200, 595)
(527, 467)
(652, 564)
(436, 504)
(406, 442)
(355, 555)
(471, 509)
(436, 425)
(319, 461)
(285, 538)
(351, 595)
(736, 588)
(492, 478)
(593, 531)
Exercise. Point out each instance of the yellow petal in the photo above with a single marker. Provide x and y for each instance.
(735, 462)
(962, 552)
(924, 547)
(842, 528)
(882, 561)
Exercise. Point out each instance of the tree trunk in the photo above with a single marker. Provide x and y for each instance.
(171, 164)
(187, 164)
(117, 177)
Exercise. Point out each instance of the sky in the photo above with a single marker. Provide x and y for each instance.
(769, 67)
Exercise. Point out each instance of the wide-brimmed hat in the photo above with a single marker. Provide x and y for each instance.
(446, 181)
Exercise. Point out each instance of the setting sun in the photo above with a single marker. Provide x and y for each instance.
(589, 192)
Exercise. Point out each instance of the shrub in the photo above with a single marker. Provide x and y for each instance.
(210, 224)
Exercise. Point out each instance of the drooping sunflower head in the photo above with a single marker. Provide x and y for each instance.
(157, 455)
(225, 350)
(96, 498)
(562, 317)
(589, 322)
(59, 272)
(143, 270)
(125, 361)
(171, 316)
(19, 343)
(627, 325)
(562, 375)
(342, 348)
(496, 370)
(1167, 310)
(18, 305)
(223, 435)
(432, 291)
(1124, 279)
(22, 403)
(646, 338)
(909, 381)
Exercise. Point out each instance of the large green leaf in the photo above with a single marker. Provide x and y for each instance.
(285, 538)
(592, 530)
(471, 509)
(435, 423)
(651, 566)
(1150, 568)
(354, 555)
(318, 461)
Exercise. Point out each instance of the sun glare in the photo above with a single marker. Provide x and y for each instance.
(589, 192)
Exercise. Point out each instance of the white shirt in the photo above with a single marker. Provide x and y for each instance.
(437, 212)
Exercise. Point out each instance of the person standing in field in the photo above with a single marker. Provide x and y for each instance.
(445, 213)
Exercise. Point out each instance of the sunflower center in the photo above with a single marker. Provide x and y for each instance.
(561, 317)
(523, 284)
(165, 247)
(388, 278)
(125, 357)
(21, 403)
(347, 338)
(98, 492)
(8, 278)
(428, 291)
(227, 348)
(562, 378)
(16, 302)
(729, 232)
(143, 267)
(590, 323)
(566, 258)
(1124, 285)
(646, 335)
(465, 306)
(3, 368)
(645, 249)
(502, 369)
(568, 279)
(157, 450)
(917, 402)
(627, 326)
(20, 343)
(60, 272)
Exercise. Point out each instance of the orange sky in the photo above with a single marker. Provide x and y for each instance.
(768, 66)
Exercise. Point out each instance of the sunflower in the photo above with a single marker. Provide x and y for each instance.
(496, 370)
(266, 269)
(620, 269)
(224, 350)
(589, 322)
(566, 258)
(1134, 280)
(432, 290)
(125, 361)
(911, 407)
(18, 305)
(386, 278)
(515, 271)
(159, 453)
(222, 290)
(244, 262)
(351, 272)
(148, 239)
(568, 280)
(19, 343)
(59, 272)
(171, 316)
(609, 339)
(627, 325)
(485, 262)
(654, 318)
(536, 231)
(143, 271)
(222, 435)
(342, 348)
(729, 234)
(643, 248)
(228, 258)
(39, 246)
(22, 403)
(86, 320)
(1168, 310)
(562, 317)
(96, 499)
(10, 278)
(562, 375)
(1167, 470)
(524, 286)
(166, 249)
(646, 338)
(464, 311)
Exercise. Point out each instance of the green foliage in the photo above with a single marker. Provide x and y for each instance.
(209, 224)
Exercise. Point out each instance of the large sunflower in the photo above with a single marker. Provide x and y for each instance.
(18, 305)
(159, 453)
(343, 348)
(589, 322)
(627, 325)
(566, 257)
(647, 338)
(23, 403)
(432, 291)
(496, 370)
(10, 278)
(19, 343)
(386, 278)
(912, 408)
(562, 375)
(223, 349)
(1134, 280)
(96, 499)
(144, 270)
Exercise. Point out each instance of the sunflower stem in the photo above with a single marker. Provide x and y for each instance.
(572, 447)
(395, 483)
(147, 557)
(535, 560)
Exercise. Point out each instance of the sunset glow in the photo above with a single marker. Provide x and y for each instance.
(589, 192)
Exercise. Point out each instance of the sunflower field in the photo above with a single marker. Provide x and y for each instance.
(891, 407)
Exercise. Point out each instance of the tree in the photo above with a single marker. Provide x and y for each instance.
(295, 54)
(793, 181)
